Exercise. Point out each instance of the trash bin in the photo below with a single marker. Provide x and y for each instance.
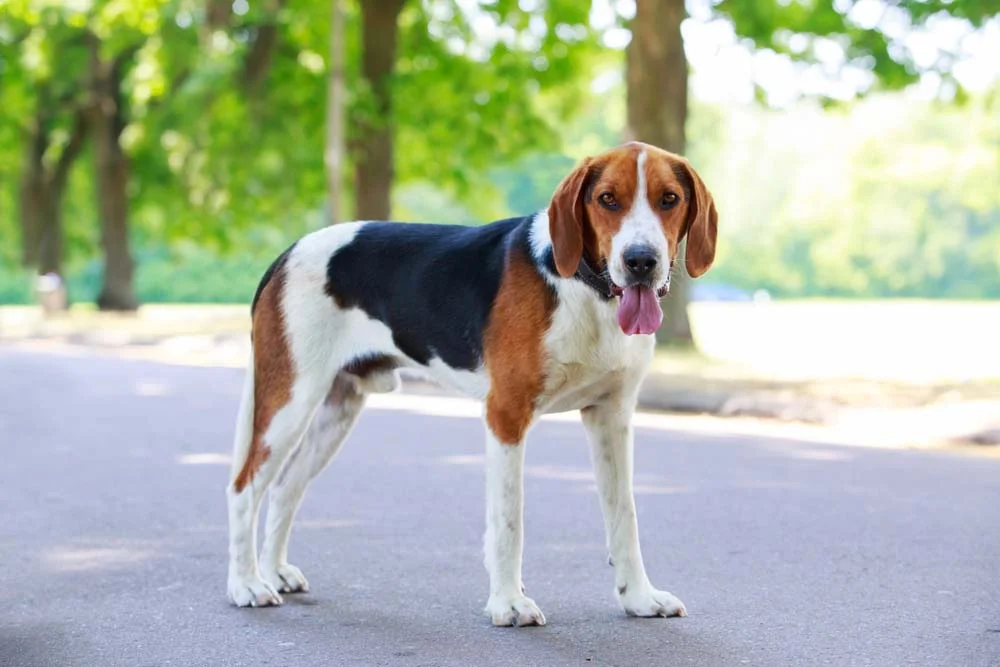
(51, 293)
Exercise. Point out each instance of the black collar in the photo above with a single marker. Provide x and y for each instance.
(596, 280)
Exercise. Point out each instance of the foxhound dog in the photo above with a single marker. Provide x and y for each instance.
(546, 313)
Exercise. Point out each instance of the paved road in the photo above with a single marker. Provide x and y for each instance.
(113, 541)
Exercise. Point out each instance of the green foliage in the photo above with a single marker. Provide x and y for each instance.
(9, 232)
(15, 286)
(200, 277)
(902, 203)
(478, 93)
(213, 163)
(871, 40)
(492, 107)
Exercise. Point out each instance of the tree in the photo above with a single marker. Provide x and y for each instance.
(72, 72)
(43, 184)
(430, 78)
(73, 78)
(43, 106)
(192, 142)
(656, 93)
(107, 119)
(374, 155)
(656, 63)
(334, 154)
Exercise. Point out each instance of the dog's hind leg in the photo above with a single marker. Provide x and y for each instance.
(330, 426)
(275, 434)
(289, 375)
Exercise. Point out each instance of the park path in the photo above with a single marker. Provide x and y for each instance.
(113, 539)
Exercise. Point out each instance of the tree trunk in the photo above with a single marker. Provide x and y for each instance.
(260, 55)
(50, 241)
(657, 78)
(42, 191)
(31, 193)
(334, 154)
(111, 177)
(41, 200)
(218, 14)
(374, 163)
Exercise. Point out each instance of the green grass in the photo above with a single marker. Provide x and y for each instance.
(15, 287)
(195, 278)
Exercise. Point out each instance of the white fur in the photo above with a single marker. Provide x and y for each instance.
(640, 226)
(312, 322)
(590, 364)
(321, 338)
(473, 384)
(609, 429)
(245, 586)
(330, 426)
(505, 536)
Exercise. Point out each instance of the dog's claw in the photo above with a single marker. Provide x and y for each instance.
(519, 612)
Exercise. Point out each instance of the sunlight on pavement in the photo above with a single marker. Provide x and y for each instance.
(79, 559)
(872, 429)
(206, 458)
(877, 428)
(441, 406)
(657, 490)
(152, 388)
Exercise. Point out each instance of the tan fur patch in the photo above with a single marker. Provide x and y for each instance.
(664, 175)
(513, 348)
(362, 367)
(273, 373)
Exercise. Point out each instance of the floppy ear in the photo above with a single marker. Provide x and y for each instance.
(702, 226)
(566, 220)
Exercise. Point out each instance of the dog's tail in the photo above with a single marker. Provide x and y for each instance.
(244, 431)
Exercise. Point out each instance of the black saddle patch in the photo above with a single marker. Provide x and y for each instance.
(432, 285)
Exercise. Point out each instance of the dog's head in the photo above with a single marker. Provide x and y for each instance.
(628, 209)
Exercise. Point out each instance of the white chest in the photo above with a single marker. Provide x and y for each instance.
(588, 355)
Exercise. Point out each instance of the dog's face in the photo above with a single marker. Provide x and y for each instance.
(627, 210)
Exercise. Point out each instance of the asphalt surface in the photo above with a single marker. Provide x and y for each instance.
(113, 539)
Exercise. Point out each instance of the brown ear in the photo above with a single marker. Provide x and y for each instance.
(702, 226)
(566, 220)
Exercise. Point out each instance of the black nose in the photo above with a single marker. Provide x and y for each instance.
(640, 260)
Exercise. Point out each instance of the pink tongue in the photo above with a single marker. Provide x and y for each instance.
(639, 311)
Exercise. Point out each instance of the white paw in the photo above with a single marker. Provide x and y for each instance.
(252, 592)
(650, 602)
(285, 578)
(515, 610)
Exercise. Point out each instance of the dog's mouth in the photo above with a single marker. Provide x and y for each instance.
(661, 291)
(639, 309)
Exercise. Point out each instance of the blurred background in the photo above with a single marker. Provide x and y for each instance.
(165, 151)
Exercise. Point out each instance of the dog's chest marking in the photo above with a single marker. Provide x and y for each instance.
(588, 357)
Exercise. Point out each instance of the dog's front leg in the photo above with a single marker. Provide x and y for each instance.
(505, 535)
(609, 429)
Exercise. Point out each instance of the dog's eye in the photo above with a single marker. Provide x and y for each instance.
(668, 200)
(608, 201)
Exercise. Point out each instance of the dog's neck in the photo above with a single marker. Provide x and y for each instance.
(596, 280)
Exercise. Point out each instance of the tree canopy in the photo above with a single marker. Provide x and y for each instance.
(219, 116)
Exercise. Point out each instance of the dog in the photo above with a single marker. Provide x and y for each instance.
(546, 313)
